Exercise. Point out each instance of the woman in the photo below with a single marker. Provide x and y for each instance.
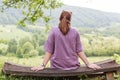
(63, 47)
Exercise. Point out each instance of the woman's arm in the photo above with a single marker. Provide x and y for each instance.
(84, 59)
(45, 61)
(46, 58)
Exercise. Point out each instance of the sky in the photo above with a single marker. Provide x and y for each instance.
(103, 5)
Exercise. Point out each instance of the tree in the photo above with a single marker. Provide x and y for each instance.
(27, 47)
(19, 52)
(41, 50)
(32, 9)
(22, 41)
(12, 46)
(3, 49)
(35, 40)
(42, 39)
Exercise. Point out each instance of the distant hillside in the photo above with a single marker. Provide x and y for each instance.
(82, 17)
(86, 17)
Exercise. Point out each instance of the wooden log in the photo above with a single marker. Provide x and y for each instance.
(19, 70)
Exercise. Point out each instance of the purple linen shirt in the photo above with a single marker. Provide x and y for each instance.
(64, 49)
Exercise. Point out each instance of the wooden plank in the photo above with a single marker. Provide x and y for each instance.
(109, 76)
(14, 69)
(104, 62)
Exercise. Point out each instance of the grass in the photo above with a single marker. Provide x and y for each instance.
(23, 61)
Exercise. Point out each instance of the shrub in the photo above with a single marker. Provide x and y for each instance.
(42, 39)
(3, 41)
(19, 52)
(41, 50)
(33, 53)
(0, 52)
(22, 41)
(27, 48)
(3, 49)
(12, 46)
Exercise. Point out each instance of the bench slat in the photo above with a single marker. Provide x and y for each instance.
(15, 69)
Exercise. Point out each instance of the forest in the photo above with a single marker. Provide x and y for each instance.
(30, 40)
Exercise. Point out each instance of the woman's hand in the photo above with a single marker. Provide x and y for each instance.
(93, 66)
(37, 68)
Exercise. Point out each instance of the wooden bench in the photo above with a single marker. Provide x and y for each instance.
(108, 68)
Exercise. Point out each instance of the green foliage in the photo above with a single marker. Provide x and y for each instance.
(117, 58)
(35, 40)
(12, 46)
(3, 41)
(41, 50)
(32, 9)
(94, 41)
(11, 32)
(33, 53)
(3, 49)
(42, 39)
(19, 52)
(22, 41)
(27, 48)
(100, 46)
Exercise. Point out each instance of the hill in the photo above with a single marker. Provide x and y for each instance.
(86, 17)
(82, 17)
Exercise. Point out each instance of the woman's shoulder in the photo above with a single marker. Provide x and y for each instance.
(54, 29)
(75, 30)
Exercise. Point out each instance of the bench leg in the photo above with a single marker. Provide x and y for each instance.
(99, 78)
(109, 76)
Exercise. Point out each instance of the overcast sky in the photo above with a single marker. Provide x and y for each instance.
(103, 5)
